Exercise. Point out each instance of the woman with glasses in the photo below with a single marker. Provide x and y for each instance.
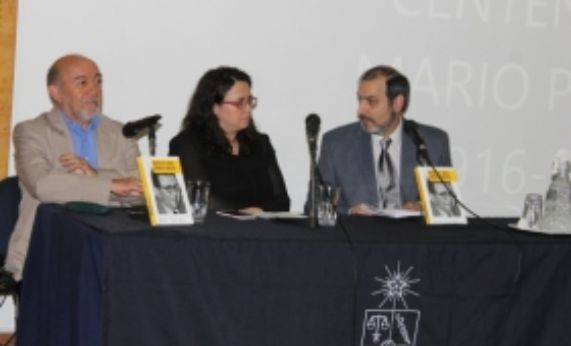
(219, 143)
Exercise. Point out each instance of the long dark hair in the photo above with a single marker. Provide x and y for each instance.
(200, 118)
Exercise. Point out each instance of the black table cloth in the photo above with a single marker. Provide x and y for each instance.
(114, 280)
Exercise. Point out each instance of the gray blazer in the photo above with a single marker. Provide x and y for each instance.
(346, 160)
(38, 143)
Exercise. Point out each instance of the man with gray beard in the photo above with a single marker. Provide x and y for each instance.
(71, 153)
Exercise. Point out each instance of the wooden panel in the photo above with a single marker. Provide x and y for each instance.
(7, 337)
(8, 9)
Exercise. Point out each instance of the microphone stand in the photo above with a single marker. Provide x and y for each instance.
(422, 157)
(312, 188)
(152, 140)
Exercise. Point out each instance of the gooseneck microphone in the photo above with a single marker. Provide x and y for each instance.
(312, 124)
(312, 128)
(411, 129)
(134, 128)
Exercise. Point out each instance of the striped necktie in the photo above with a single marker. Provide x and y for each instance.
(387, 176)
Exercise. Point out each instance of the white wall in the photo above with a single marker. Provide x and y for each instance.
(495, 74)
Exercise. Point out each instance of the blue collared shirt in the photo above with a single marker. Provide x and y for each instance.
(84, 139)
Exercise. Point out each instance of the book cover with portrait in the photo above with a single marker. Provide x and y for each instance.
(165, 190)
(438, 191)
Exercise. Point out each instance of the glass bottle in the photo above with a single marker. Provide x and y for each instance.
(557, 214)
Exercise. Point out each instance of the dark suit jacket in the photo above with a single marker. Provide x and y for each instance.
(346, 160)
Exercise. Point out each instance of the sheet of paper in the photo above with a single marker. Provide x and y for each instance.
(236, 214)
(280, 215)
(392, 213)
(397, 213)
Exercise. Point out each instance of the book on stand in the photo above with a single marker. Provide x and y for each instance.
(438, 191)
(165, 190)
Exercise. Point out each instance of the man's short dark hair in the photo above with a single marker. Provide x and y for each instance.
(54, 70)
(53, 74)
(396, 82)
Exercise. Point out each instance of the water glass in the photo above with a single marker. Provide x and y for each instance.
(327, 197)
(198, 194)
(532, 209)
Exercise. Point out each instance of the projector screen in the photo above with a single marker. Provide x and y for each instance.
(496, 75)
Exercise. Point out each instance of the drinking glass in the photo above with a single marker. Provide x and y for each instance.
(198, 194)
(327, 197)
(532, 209)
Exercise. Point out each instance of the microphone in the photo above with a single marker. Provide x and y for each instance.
(134, 128)
(312, 123)
(410, 128)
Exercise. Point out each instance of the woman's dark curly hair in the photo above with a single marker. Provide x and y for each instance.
(200, 118)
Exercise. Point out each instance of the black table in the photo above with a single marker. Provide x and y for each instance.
(113, 280)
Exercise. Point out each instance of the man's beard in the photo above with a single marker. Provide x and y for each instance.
(375, 130)
(87, 115)
(378, 129)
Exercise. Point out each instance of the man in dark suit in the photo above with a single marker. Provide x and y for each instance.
(354, 157)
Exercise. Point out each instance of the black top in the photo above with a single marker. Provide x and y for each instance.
(236, 181)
